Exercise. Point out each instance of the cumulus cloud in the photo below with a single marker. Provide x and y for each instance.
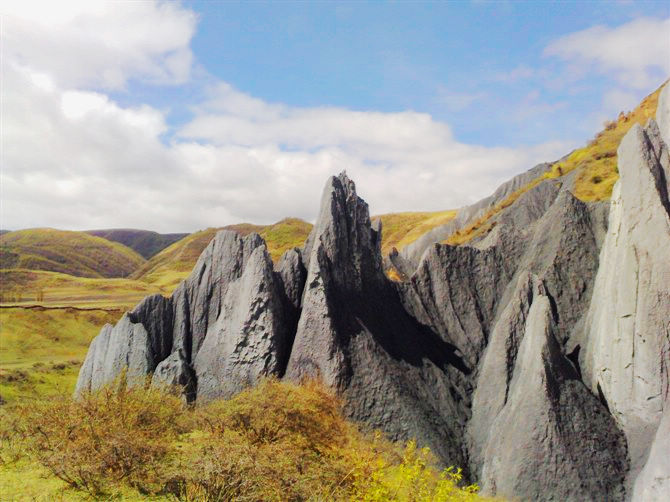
(102, 44)
(73, 157)
(637, 53)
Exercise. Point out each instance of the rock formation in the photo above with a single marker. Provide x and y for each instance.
(536, 356)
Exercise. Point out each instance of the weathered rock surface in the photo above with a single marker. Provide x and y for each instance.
(138, 342)
(536, 356)
(393, 372)
(553, 439)
(627, 331)
(412, 253)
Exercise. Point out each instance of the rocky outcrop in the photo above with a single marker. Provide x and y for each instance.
(627, 331)
(536, 356)
(227, 325)
(553, 439)
(393, 372)
(134, 347)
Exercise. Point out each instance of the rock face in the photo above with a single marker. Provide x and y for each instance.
(627, 330)
(536, 357)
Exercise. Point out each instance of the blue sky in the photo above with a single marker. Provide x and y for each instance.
(400, 56)
(207, 113)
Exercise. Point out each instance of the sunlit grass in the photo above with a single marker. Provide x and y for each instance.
(74, 253)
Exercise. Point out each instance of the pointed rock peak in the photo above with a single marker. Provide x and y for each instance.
(343, 232)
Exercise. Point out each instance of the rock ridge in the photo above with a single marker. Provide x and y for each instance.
(536, 357)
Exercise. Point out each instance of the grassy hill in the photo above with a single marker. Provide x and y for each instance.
(74, 253)
(597, 161)
(174, 263)
(144, 242)
(401, 229)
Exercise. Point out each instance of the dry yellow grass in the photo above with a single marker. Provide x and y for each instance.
(401, 229)
(597, 161)
(596, 164)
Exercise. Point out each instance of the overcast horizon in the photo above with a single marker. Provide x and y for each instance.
(175, 117)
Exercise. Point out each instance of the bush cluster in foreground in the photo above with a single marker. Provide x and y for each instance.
(276, 441)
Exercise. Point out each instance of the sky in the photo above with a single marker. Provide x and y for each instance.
(175, 117)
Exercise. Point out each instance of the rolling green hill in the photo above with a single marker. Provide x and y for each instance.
(73, 253)
(144, 242)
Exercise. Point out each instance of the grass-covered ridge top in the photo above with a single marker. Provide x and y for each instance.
(144, 242)
(401, 229)
(68, 252)
(597, 162)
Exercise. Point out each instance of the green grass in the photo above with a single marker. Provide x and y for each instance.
(53, 289)
(73, 253)
(29, 336)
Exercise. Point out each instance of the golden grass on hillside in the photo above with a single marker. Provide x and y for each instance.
(483, 224)
(274, 442)
(41, 349)
(172, 265)
(597, 161)
(74, 253)
(401, 229)
(596, 164)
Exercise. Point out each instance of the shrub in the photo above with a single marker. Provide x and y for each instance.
(111, 436)
(273, 442)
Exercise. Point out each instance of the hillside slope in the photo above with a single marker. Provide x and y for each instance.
(589, 172)
(175, 262)
(144, 242)
(67, 252)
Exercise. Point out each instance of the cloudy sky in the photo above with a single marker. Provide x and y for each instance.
(179, 116)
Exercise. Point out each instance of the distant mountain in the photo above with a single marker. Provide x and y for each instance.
(145, 242)
(174, 263)
(2, 232)
(67, 252)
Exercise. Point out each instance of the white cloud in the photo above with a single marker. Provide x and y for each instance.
(92, 43)
(636, 54)
(75, 158)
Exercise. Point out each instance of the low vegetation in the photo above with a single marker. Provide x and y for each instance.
(73, 253)
(401, 229)
(42, 349)
(276, 441)
(597, 162)
(53, 289)
(596, 166)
